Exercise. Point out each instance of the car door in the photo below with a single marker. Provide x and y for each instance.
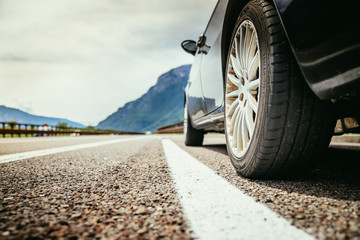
(211, 65)
(195, 99)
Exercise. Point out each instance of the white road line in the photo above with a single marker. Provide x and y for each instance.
(46, 139)
(218, 210)
(39, 153)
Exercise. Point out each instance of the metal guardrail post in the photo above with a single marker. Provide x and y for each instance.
(26, 130)
(12, 129)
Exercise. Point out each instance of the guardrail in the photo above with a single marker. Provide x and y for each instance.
(172, 128)
(24, 129)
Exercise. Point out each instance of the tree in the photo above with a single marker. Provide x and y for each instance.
(12, 123)
(90, 128)
(61, 125)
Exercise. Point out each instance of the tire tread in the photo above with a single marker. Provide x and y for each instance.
(193, 137)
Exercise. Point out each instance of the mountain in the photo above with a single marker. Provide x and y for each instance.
(13, 114)
(162, 104)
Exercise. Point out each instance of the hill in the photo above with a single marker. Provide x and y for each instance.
(13, 114)
(162, 104)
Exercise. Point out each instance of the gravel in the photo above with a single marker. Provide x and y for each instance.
(324, 202)
(118, 191)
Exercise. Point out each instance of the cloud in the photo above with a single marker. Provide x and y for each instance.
(106, 52)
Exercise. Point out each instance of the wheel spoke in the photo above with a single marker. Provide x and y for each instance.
(240, 48)
(236, 67)
(244, 134)
(253, 66)
(254, 85)
(233, 107)
(236, 127)
(250, 47)
(233, 79)
(252, 103)
(253, 60)
(237, 53)
(239, 141)
(232, 94)
(249, 120)
(244, 47)
(233, 118)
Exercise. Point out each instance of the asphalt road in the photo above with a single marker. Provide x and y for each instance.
(121, 187)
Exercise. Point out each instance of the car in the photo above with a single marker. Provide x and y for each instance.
(276, 76)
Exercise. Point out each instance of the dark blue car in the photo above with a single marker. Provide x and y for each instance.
(275, 76)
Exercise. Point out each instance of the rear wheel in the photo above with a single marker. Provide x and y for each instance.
(193, 137)
(274, 124)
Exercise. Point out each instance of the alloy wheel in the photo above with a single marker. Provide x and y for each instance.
(242, 88)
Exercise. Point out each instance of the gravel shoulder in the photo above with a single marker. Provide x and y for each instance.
(117, 191)
(324, 202)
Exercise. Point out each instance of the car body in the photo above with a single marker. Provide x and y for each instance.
(323, 39)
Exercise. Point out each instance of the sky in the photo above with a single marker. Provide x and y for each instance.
(83, 59)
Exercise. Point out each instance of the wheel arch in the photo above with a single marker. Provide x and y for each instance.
(233, 10)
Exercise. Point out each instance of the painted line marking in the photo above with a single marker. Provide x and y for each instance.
(45, 139)
(39, 153)
(217, 209)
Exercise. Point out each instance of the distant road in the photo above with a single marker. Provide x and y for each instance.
(149, 187)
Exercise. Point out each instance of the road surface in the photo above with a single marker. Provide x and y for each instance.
(152, 187)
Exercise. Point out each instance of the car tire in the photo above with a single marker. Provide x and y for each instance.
(192, 136)
(280, 125)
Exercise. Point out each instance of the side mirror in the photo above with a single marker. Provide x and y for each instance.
(189, 46)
